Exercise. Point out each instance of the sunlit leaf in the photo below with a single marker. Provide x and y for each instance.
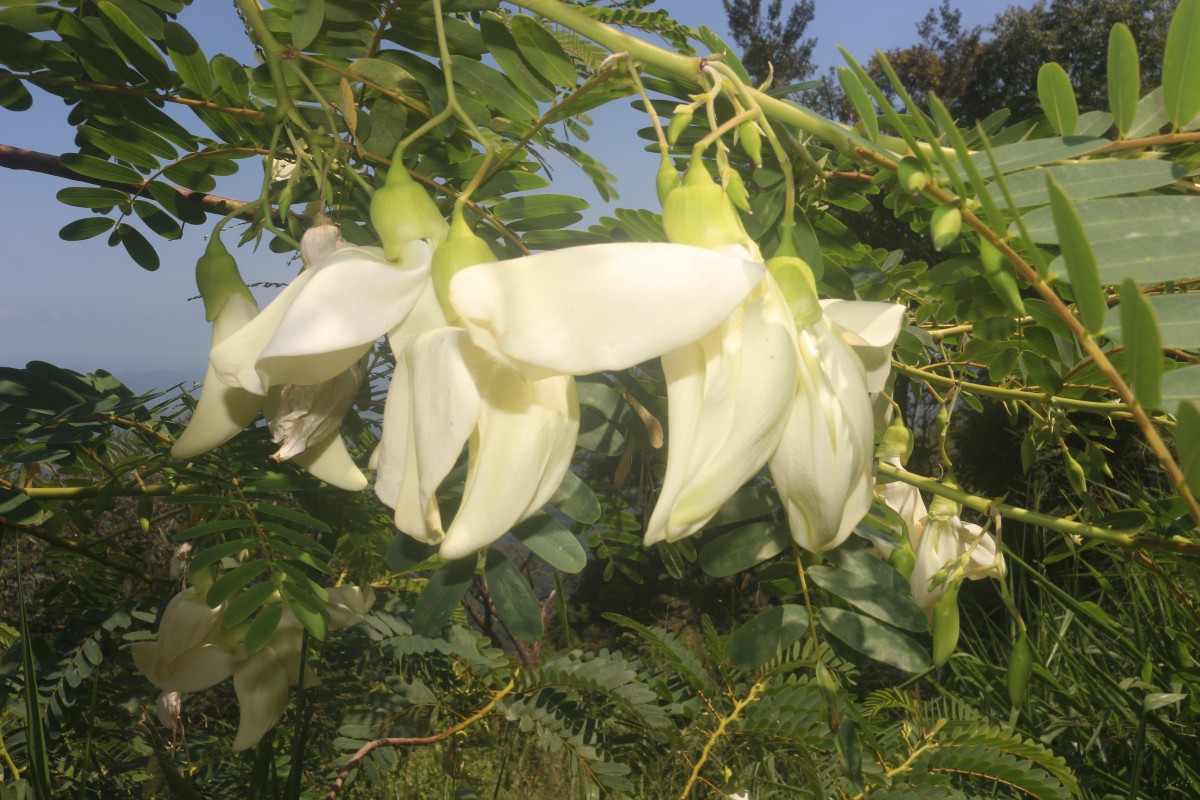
(1080, 261)
(1181, 64)
(1143, 344)
(1057, 97)
(1124, 77)
(874, 639)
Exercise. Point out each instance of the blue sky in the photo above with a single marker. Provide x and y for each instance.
(85, 306)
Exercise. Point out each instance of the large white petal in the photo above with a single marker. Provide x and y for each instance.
(261, 683)
(222, 411)
(822, 467)
(728, 399)
(389, 456)
(354, 297)
(331, 462)
(519, 453)
(599, 307)
(186, 623)
(441, 407)
(348, 605)
(870, 328)
(234, 358)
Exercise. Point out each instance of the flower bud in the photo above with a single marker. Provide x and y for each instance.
(736, 189)
(912, 176)
(461, 249)
(402, 212)
(700, 213)
(321, 240)
(903, 559)
(751, 141)
(217, 277)
(678, 124)
(1000, 277)
(945, 225)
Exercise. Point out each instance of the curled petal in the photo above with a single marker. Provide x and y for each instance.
(261, 683)
(728, 398)
(871, 330)
(822, 467)
(599, 307)
(432, 408)
(519, 453)
(329, 461)
(191, 671)
(945, 540)
(348, 605)
(354, 297)
(303, 416)
(223, 411)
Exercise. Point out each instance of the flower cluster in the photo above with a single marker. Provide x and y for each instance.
(758, 371)
(194, 651)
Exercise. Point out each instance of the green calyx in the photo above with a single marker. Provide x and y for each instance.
(897, 441)
(403, 212)
(217, 277)
(461, 249)
(944, 507)
(667, 180)
(700, 213)
(795, 280)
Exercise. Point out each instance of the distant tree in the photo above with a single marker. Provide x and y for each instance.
(1072, 32)
(978, 70)
(772, 41)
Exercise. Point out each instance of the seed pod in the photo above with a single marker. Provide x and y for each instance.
(945, 626)
(911, 175)
(678, 124)
(945, 226)
(1000, 277)
(1028, 453)
(751, 141)
(1020, 667)
(403, 212)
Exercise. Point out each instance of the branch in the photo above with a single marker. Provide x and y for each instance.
(46, 164)
(366, 749)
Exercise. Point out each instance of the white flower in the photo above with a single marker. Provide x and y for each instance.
(944, 542)
(577, 311)
(906, 501)
(194, 652)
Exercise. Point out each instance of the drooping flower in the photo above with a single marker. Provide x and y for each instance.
(946, 542)
(902, 498)
(222, 410)
(194, 652)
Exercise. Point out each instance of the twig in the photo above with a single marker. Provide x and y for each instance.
(398, 741)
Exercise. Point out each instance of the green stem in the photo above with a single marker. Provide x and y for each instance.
(273, 51)
(1124, 539)
(688, 68)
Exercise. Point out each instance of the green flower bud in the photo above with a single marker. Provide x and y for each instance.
(945, 226)
(402, 212)
(946, 626)
(217, 277)
(1000, 277)
(903, 559)
(736, 189)
(700, 213)
(1075, 473)
(668, 179)
(796, 281)
(678, 124)
(912, 176)
(751, 141)
(461, 249)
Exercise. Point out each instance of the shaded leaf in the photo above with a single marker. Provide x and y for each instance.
(1057, 97)
(1080, 261)
(746, 547)
(1142, 343)
(874, 639)
(515, 603)
(552, 542)
(766, 635)
(1181, 64)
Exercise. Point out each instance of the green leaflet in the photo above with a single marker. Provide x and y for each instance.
(1143, 344)
(543, 52)
(515, 603)
(1080, 261)
(1124, 77)
(1181, 65)
(1057, 97)
(766, 635)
